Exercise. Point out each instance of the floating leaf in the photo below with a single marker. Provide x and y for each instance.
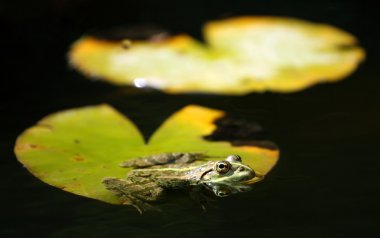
(242, 55)
(76, 149)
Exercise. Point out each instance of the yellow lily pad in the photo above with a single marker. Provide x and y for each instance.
(76, 149)
(242, 55)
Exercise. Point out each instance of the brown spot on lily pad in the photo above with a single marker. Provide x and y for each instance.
(45, 125)
(27, 146)
(79, 158)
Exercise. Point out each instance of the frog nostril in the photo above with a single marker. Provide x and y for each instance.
(223, 193)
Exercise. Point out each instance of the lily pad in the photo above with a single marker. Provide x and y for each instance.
(76, 149)
(241, 55)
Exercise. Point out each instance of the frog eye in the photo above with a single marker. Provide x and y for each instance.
(223, 193)
(233, 158)
(222, 167)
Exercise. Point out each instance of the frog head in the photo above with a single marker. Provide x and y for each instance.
(228, 176)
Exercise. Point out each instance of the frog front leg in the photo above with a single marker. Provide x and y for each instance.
(203, 196)
(161, 159)
(136, 194)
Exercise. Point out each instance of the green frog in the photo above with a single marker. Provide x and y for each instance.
(152, 175)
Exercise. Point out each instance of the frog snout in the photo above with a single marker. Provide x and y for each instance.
(245, 173)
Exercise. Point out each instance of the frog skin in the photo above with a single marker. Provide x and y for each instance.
(152, 175)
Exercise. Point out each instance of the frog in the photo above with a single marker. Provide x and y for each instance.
(152, 175)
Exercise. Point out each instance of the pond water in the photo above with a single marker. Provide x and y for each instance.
(326, 183)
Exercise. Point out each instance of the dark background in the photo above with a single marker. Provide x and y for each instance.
(326, 183)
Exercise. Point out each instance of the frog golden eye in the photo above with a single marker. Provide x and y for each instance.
(233, 158)
(222, 167)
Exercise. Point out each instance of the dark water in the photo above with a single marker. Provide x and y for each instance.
(326, 183)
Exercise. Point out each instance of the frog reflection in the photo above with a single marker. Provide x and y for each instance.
(152, 175)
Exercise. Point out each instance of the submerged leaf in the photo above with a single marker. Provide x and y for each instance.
(76, 149)
(242, 55)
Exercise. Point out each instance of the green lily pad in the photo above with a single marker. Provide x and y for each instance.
(76, 149)
(242, 55)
